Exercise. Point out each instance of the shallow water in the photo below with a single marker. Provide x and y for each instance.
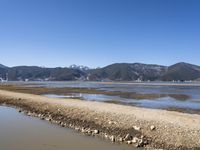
(159, 103)
(20, 132)
(192, 90)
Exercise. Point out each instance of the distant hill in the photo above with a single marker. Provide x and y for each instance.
(115, 72)
(3, 71)
(37, 73)
(2, 66)
(182, 71)
(128, 72)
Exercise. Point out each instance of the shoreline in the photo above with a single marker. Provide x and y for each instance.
(124, 95)
(140, 127)
(144, 83)
(15, 126)
(151, 83)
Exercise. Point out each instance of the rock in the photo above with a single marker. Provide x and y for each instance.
(141, 142)
(62, 124)
(129, 142)
(127, 137)
(136, 128)
(152, 128)
(96, 131)
(48, 119)
(89, 131)
(112, 138)
(121, 139)
(83, 130)
(29, 113)
(135, 140)
(20, 111)
(137, 145)
(52, 121)
(76, 128)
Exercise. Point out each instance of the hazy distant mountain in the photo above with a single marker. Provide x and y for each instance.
(2, 66)
(114, 72)
(38, 73)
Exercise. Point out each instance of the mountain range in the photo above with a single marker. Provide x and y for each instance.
(115, 72)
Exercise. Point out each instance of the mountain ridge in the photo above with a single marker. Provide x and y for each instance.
(115, 72)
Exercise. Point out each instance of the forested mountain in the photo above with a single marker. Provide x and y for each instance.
(115, 72)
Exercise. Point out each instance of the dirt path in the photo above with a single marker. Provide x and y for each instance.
(137, 126)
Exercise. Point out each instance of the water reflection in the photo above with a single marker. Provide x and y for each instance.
(185, 96)
(192, 106)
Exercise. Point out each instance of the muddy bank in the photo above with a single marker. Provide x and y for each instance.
(136, 126)
(116, 97)
(69, 90)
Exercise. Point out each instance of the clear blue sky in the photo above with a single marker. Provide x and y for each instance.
(99, 32)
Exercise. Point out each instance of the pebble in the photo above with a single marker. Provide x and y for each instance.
(127, 137)
(106, 136)
(121, 139)
(83, 130)
(110, 122)
(136, 128)
(112, 138)
(76, 128)
(48, 119)
(89, 131)
(62, 124)
(29, 113)
(152, 128)
(135, 140)
(96, 131)
(141, 142)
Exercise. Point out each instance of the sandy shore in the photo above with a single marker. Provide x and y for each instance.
(137, 126)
